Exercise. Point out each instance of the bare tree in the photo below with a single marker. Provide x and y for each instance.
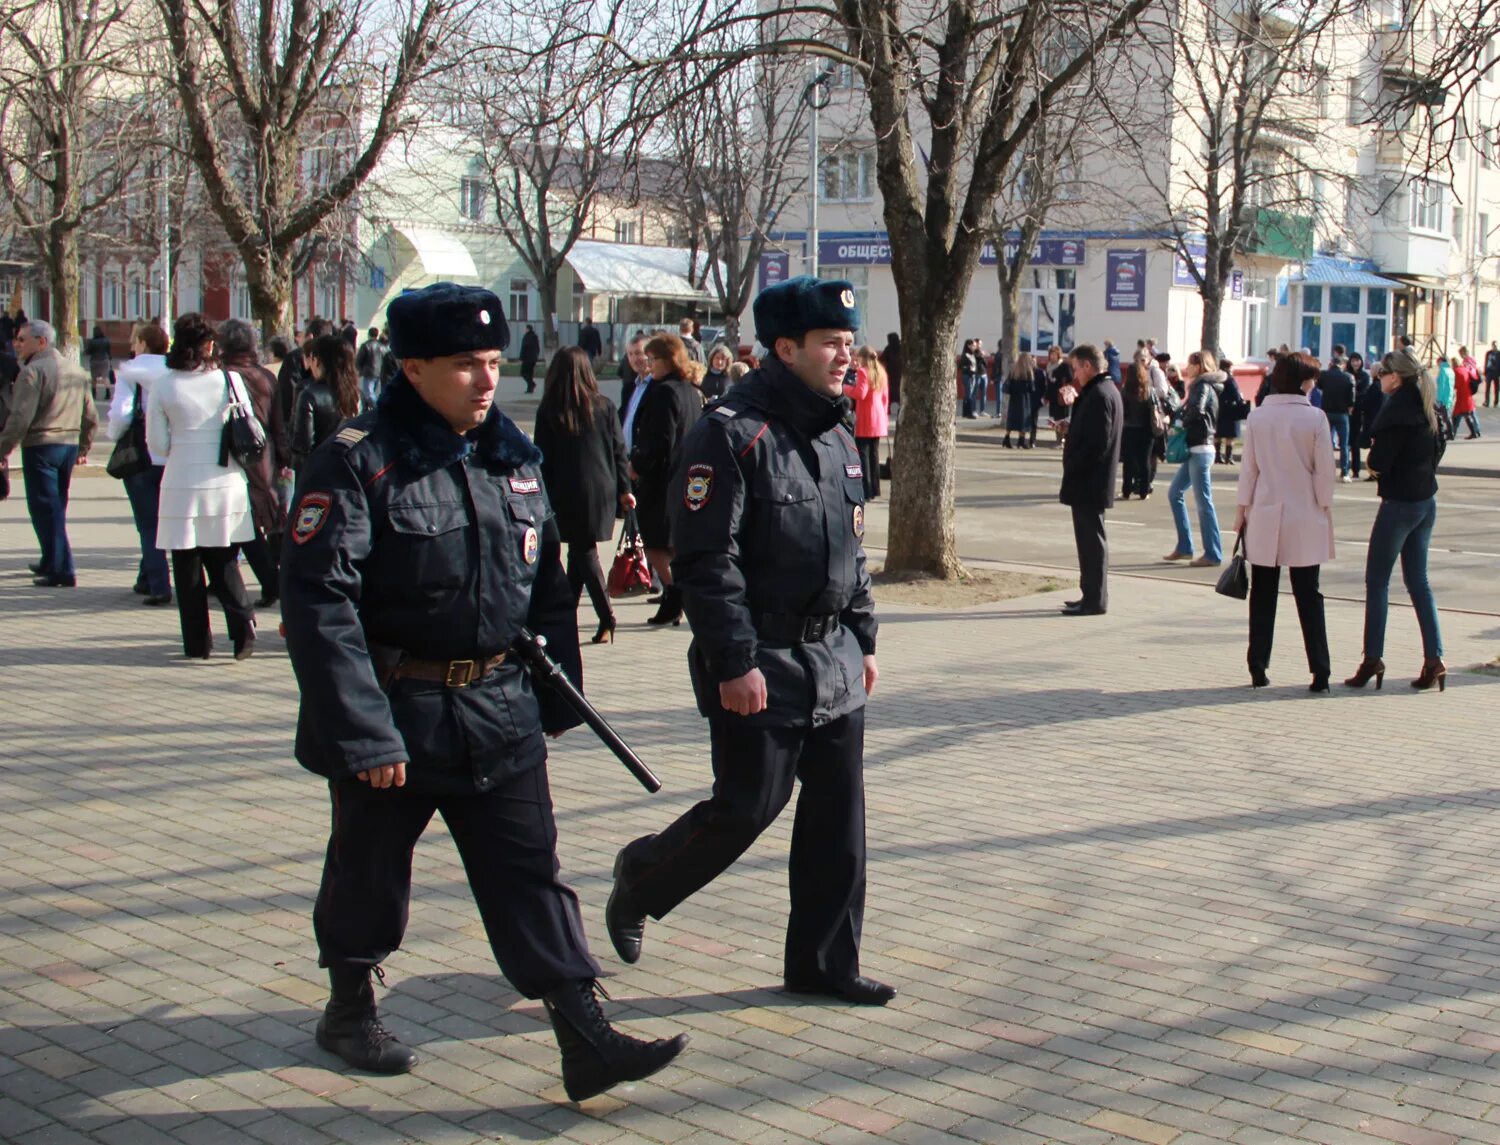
(1247, 82)
(733, 145)
(289, 105)
(67, 139)
(954, 91)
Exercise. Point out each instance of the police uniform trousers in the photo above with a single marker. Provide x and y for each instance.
(507, 840)
(754, 769)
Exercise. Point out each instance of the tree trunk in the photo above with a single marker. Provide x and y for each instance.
(732, 333)
(62, 281)
(1010, 325)
(268, 276)
(922, 534)
(550, 317)
(1213, 315)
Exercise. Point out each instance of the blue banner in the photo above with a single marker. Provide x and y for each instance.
(1125, 280)
(775, 266)
(877, 252)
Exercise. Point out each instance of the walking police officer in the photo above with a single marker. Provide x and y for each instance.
(768, 512)
(420, 544)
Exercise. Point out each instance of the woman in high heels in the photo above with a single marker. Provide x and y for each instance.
(1407, 444)
(1285, 513)
(583, 464)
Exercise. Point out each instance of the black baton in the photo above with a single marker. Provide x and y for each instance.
(532, 649)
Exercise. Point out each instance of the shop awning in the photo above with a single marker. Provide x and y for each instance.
(442, 255)
(627, 270)
(1430, 281)
(1338, 272)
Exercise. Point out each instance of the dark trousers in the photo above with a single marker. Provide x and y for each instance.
(507, 840)
(869, 461)
(144, 491)
(754, 769)
(1135, 458)
(1265, 580)
(263, 556)
(48, 470)
(1093, 555)
(189, 567)
(584, 572)
(528, 375)
(1491, 391)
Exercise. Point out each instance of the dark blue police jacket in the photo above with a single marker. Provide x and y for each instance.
(407, 539)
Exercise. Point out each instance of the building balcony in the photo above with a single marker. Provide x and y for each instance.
(1406, 52)
(1395, 148)
(1279, 234)
(1404, 250)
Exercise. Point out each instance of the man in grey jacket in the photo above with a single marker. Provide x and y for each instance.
(52, 418)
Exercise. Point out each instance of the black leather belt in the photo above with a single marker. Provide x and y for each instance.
(790, 628)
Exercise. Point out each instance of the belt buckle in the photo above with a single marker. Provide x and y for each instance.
(452, 678)
(812, 629)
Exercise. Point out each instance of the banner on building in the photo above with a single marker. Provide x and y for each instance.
(1125, 280)
(775, 266)
(1237, 285)
(1182, 273)
(876, 251)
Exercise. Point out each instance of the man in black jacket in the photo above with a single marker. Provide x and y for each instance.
(589, 341)
(1492, 375)
(420, 544)
(531, 350)
(1337, 387)
(768, 505)
(1091, 458)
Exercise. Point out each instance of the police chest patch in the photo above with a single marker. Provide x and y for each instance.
(854, 471)
(525, 484)
(700, 484)
(311, 514)
(531, 545)
(859, 520)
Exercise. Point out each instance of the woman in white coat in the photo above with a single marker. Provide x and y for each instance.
(204, 514)
(133, 381)
(1285, 513)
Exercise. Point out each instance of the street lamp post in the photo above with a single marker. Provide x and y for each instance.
(817, 94)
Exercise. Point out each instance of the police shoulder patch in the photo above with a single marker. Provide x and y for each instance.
(725, 412)
(699, 487)
(310, 516)
(351, 435)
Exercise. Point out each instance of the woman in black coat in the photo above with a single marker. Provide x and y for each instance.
(1020, 398)
(666, 413)
(587, 476)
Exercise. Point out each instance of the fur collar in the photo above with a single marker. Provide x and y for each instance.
(428, 443)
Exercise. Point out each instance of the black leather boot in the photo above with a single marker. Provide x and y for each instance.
(596, 1056)
(351, 1028)
(670, 611)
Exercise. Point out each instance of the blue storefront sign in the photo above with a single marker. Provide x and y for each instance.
(876, 251)
(1125, 280)
(775, 266)
(1182, 274)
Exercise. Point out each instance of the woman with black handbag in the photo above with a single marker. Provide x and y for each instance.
(132, 462)
(205, 512)
(585, 471)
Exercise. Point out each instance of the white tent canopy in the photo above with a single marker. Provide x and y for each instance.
(442, 255)
(636, 271)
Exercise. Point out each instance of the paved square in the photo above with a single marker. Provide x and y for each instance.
(1125, 897)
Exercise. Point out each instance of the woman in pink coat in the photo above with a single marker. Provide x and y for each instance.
(1285, 513)
(872, 414)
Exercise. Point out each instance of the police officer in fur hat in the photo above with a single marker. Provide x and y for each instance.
(420, 543)
(768, 514)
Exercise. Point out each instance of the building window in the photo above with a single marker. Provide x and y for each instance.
(471, 198)
(520, 299)
(1356, 318)
(135, 295)
(1458, 226)
(1049, 308)
(1482, 233)
(1483, 333)
(1427, 201)
(1354, 103)
(845, 76)
(1320, 93)
(1458, 321)
(111, 294)
(848, 177)
(626, 231)
(330, 302)
(239, 300)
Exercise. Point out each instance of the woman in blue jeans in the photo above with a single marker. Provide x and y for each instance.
(1407, 445)
(1200, 414)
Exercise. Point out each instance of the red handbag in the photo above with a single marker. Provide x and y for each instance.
(630, 575)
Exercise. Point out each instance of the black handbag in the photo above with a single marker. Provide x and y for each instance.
(243, 438)
(1235, 579)
(130, 455)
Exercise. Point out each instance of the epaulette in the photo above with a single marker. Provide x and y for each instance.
(351, 435)
(723, 411)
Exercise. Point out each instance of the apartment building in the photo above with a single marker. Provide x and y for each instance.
(1368, 222)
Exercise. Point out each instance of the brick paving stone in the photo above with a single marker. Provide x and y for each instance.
(1108, 889)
